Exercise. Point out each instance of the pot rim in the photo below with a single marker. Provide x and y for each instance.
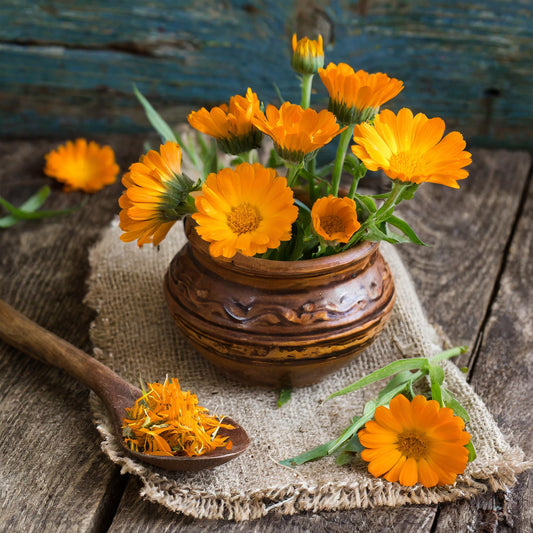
(360, 252)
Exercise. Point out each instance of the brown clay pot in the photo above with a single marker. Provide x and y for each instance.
(279, 323)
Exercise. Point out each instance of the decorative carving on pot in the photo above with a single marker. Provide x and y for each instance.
(275, 322)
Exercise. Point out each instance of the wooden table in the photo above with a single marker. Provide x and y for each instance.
(474, 281)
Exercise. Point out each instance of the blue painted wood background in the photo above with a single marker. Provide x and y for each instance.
(67, 67)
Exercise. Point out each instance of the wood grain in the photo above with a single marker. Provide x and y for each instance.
(468, 62)
(503, 375)
(52, 475)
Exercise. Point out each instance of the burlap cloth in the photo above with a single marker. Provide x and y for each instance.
(135, 335)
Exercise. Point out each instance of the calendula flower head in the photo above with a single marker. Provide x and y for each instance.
(335, 219)
(80, 165)
(297, 131)
(415, 441)
(308, 55)
(247, 210)
(412, 149)
(231, 125)
(355, 97)
(156, 195)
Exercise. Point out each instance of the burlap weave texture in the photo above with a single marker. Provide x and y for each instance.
(135, 335)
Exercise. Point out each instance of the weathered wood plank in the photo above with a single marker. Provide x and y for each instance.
(503, 376)
(52, 475)
(467, 230)
(469, 63)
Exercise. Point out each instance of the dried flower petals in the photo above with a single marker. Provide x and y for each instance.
(167, 421)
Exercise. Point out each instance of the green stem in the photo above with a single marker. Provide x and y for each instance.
(344, 141)
(391, 201)
(307, 83)
(293, 173)
(353, 188)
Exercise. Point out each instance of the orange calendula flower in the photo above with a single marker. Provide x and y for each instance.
(297, 131)
(156, 196)
(247, 210)
(231, 125)
(308, 55)
(416, 441)
(167, 421)
(355, 97)
(411, 149)
(80, 165)
(335, 219)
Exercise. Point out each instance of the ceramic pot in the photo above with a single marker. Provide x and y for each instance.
(278, 323)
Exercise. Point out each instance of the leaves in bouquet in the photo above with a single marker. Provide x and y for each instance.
(155, 119)
(405, 229)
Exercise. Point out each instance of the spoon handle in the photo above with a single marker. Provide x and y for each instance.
(30, 338)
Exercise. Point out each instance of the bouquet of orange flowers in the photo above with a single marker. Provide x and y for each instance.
(290, 208)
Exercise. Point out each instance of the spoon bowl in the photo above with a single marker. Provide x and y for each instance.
(116, 393)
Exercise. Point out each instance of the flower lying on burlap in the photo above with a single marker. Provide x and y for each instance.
(415, 441)
(355, 97)
(296, 131)
(80, 165)
(335, 219)
(156, 196)
(308, 55)
(247, 210)
(231, 125)
(411, 149)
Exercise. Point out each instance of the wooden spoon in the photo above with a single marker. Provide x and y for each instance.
(116, 393)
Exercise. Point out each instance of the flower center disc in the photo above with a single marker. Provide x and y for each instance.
(406, 163)
(332, 224)
(244, 218)
(413, 444)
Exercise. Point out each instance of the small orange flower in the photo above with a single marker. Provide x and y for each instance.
(156, 196)
(308, 55)
(335, 219)
(416, 441)
(412, 149)
(355, 97)
(246, 210)
(297, 131)
(231, 126)
(167, 421)
(87, 167)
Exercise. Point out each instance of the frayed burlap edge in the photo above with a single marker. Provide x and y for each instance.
(299, 497)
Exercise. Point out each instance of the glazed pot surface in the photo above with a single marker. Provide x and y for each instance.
(279, 323)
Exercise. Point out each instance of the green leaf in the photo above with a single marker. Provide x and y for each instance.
(409, 191)
(311, 455)
(436, 374)
(367, 202)
(35, 215)
(30, 205)
(471, 451)
(284, 396)
(369, 415)
(155, 118)
(454, 405)
(405, 229)
(413, 363)
(448, 354)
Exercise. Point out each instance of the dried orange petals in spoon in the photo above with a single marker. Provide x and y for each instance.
(167, 421)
